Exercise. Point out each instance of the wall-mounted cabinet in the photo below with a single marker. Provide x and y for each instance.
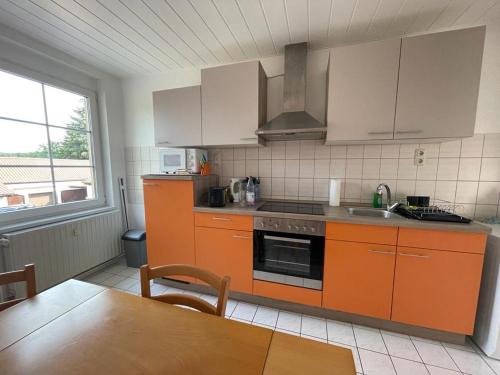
(177, 117)
(363, 82)
(421, 87)
(234, 103)
(438, 85)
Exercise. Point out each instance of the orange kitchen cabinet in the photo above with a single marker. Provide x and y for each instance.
(443, 240)
(223, 221)
(226, 252)
(380, 234)
(169, 216)
(358, 278)
(437, 289)
(287, 293)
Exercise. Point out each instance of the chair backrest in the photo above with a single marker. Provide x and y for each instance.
(28, 275)
(216, 282)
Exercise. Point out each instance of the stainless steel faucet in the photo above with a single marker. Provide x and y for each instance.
(390, 206)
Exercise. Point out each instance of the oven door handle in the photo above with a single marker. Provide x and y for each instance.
(286, 239)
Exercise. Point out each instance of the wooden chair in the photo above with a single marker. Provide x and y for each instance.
(28, 275)
(219, 284)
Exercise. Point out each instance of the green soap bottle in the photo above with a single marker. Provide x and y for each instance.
(377, 199)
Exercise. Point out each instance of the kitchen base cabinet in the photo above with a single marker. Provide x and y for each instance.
(437, 289)
(169, 222)
(226, 252)
(287, 292)
(359, 277)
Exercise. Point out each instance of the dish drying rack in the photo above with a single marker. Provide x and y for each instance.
(439, 210)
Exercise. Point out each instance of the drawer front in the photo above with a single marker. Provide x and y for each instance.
(377, 234)
(287, 293)
(223, 221)
(442, 240)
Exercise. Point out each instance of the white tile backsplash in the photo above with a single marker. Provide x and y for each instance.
(465, 172)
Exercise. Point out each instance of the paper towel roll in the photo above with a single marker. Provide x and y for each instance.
(335, 186)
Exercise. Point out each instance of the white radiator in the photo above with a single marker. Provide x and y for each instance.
(62, 250)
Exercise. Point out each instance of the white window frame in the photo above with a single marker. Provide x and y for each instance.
(58, 211)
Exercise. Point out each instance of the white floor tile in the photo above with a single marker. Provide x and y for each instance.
(434, 355)
(230, 306)
(113, 280)
(116, 269)
(376, 363)
(245, 311)
(405, 367)
(467, 347)
(157, 289)
(312, 326)
(125, 284)
(136, 288)
(129, 272)
(384, 332)
(99, 277)
(355, 355)
(314, 338)
(470, 363)
(494, 363)
(433, 370)
(340, 332)
(289, 321)
(240, 320)
(369, 338)
(266, 315)
(401, 347)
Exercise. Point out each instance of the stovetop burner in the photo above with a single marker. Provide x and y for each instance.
(292, 207)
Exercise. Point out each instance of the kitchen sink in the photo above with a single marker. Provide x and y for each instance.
(371, 212)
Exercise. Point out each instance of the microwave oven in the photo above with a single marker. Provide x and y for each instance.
(174, 159)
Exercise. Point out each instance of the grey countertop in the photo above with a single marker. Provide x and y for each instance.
(164, 176)
(340, 214)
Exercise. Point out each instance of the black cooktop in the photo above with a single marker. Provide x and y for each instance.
(292, 207)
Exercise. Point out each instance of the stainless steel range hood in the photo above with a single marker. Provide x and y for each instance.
(294, 122)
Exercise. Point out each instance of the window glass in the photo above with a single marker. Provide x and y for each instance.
(23, 144)
(65, 108)
(45, 146)
(21, 98)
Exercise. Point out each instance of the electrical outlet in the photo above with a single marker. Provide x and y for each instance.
(419, 157)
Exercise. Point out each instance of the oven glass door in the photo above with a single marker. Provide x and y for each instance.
(289, 254)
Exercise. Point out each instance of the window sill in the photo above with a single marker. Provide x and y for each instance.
(28, 224)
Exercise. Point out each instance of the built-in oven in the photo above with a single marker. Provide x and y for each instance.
(289, 251)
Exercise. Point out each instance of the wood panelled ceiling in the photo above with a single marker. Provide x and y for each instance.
(127, 37)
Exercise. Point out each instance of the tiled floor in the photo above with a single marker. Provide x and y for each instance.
(375, 352)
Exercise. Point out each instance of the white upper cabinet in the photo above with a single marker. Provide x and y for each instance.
(363, 81)
(234, 101)
(438, 84)
(177, 117)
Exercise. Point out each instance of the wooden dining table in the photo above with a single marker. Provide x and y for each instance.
(81, 328)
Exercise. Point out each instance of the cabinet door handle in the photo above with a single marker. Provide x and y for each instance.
(221, 218)
(242, 237)
(248, 139)
(148, 184)
(379, 133)
(409, 131)
(164, 143)
(414, 255)
(381, 252)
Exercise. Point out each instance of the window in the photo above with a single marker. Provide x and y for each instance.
(46, 147)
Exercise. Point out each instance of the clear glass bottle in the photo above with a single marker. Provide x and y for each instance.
(250, 192)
